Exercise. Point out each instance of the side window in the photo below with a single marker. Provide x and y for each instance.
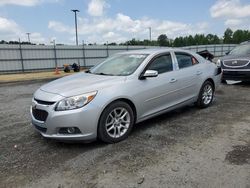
(185, 60)
(162, 64)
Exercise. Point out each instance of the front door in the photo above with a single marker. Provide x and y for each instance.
(157, 93)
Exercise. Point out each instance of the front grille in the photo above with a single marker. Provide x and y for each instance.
(44, 102)
(40, 115)
(236, 63)
(42, 129)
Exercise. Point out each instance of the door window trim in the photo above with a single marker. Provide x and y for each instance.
(152, 60)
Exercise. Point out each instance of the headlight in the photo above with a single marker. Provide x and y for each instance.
(75, 102)
(218, 63)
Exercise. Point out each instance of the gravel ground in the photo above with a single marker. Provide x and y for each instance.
(185, 148)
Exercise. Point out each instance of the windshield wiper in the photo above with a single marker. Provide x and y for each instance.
(101, 73)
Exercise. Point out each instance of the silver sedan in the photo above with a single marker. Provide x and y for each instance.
(106, 101)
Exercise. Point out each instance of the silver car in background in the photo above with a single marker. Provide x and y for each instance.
(106, 101)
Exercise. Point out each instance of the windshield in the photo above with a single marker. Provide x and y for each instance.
(119, 65)
(241, 50)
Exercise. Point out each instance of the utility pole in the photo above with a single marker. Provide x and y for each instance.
(55, 55)
(150, 37)
(75, 11)
(28, 34)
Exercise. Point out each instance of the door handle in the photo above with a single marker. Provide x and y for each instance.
(173, 80)
(198, 73)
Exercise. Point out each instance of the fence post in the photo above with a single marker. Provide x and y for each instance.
(222, 50)
(214, 50)
(54, 42)
(83, 54)
(107, 49)
(21, 55)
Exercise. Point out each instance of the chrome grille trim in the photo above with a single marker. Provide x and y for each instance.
(237, 70)
(44, 102)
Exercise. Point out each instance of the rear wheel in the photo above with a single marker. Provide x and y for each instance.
(206, 95)
(116, 122)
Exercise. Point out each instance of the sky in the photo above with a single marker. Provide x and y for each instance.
(117, 21)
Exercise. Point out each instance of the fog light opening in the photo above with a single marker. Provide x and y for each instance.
(71, 130)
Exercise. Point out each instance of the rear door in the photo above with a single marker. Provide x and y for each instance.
(189, 76)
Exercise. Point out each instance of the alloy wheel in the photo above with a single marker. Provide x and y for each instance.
(207, 94)
(117, 122)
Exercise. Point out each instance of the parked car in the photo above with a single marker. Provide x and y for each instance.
(236, 64)
(106, 101)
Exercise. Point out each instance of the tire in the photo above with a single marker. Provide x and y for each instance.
(116, 122)
(206, 95)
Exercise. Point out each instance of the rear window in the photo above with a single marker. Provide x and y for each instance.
(185, 60)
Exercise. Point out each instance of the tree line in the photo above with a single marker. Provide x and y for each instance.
(15, 42)
(229, 37)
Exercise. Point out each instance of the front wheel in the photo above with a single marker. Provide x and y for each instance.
(206, 95)
(116, 122)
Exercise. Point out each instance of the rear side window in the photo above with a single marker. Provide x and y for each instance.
(162, 64)
(185, 60)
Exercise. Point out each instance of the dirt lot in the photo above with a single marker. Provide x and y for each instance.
(34, 76)
(185, 148)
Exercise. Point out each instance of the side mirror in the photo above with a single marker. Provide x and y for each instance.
(150, 74)
(227, 52)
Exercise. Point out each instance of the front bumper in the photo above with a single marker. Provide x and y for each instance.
(237, 75)
(85, 119)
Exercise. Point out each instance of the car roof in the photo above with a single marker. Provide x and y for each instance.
(153, 51)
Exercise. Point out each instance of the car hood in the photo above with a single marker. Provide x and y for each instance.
(229, 57)
(81, 83)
